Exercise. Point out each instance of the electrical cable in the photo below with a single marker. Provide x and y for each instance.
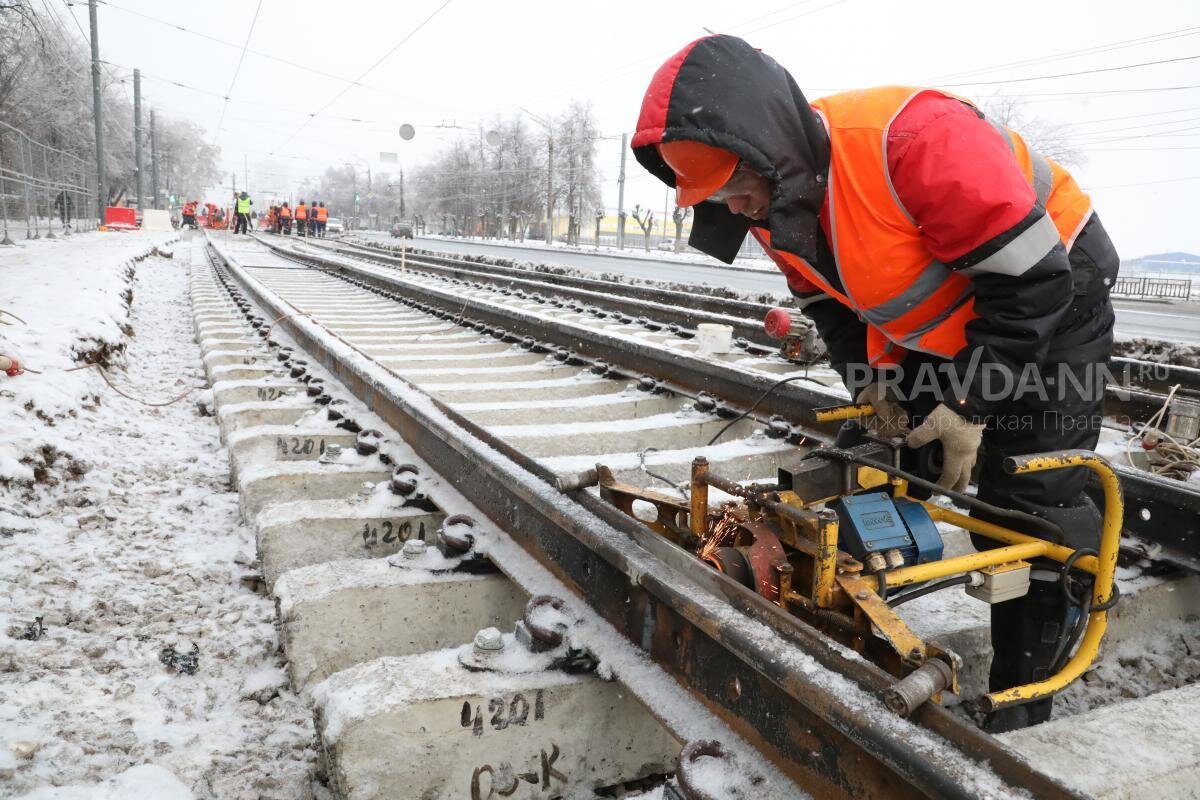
(928, 588)
(1081, 600)
(756, 403)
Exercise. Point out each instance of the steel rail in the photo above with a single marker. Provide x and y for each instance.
(1163, 514)
(659, 305)
(773, 678)
(1137, 398)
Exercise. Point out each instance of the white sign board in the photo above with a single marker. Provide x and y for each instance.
(155, 219)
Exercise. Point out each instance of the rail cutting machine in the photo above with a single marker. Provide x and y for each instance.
(841, 541)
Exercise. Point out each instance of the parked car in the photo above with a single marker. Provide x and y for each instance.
(402, 229)
(334, 225)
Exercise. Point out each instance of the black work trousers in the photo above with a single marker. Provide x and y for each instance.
(243, 224)
(1066, 415)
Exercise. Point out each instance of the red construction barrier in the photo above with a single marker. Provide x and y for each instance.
(120, 219)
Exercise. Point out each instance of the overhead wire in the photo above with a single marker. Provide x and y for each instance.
(237, 70)
(1143, 183)
(1073, 74)
(268, 56)
(366, 72)
(1093, 50)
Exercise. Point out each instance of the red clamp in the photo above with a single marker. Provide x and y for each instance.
(11, 366)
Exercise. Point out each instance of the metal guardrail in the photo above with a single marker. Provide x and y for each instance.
(1147, 286)
(42, 188)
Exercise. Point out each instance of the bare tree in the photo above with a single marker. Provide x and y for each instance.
(46, 91)
(482, 182)
(679, 216)
(645, 221)
(576, 177)
(1051, 139)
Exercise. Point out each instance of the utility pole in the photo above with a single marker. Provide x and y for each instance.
(401, 193)
(97, 112)
(137, 137)
(666, 199)
(549, 186)
(621, 196)
(153, 160)
(246, 171)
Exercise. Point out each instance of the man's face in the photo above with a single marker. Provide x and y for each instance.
(746, 193)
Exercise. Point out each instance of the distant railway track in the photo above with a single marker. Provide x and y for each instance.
(554, 388)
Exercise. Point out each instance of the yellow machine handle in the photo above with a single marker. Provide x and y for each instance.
(1102, 587)
(842, 413)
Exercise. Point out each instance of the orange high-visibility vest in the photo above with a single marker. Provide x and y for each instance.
(322, 213)
(285, 213)
(301, 211)
(908, 298)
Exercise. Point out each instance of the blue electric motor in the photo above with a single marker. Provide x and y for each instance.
(878, 523)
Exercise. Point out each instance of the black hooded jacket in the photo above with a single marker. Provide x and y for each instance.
(721, 91)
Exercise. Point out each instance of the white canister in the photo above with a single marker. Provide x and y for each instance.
(713, 339)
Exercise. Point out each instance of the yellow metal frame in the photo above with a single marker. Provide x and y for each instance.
(1021, 546)
(837, 578)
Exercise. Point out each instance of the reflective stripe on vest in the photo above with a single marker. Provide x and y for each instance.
(301, 212)
(285, 213)
(888, 276)
(322, 214)
(243, 205)
(1073, 208)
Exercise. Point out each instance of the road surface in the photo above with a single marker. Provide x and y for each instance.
(1178, 322)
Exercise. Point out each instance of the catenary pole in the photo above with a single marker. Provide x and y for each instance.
(97, 112)
(621, 196)
(549, 186)
(153, 160)
(137, 138)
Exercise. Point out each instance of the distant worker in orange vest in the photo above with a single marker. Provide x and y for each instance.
(301, 219)
(285, 219)
(923, 240)
(322, 218)
(188, 213)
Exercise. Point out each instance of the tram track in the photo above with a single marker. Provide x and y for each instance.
(1166, 513)
(532, 413)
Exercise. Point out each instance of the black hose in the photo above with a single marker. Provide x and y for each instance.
(1077, 595)
(928, 588)
(755, 404)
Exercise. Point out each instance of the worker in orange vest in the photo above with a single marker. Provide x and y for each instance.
(301, 219)
(285, 219)
(322, 218)
(188, 213)
(947, 266)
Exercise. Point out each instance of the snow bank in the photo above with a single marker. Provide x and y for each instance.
(74, 295)
(136, 553)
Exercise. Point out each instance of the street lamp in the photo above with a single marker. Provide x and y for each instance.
(545, 123)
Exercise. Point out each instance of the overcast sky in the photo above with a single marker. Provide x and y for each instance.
(1138, 128)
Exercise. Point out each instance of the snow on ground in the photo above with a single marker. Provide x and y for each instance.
(134, 663)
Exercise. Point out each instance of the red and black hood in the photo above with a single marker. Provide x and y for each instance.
(721, 91)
